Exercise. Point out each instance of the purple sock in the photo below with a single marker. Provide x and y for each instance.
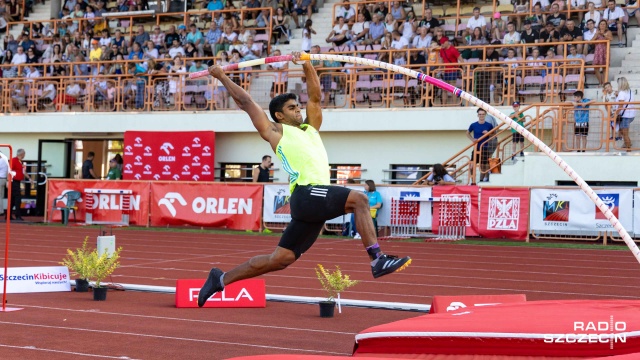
(374, 251)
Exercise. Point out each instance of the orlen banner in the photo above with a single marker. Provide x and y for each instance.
(557, 211)
(276, 205)
(36, 279)
(175, 155)
(468, 193)
(106, 207)
(504, 213)
(232, 206)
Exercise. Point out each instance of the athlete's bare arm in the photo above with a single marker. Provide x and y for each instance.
(269, 131)
(314, 109)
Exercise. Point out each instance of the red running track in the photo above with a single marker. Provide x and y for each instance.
(144, 326)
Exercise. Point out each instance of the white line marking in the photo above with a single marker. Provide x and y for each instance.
(64, 352)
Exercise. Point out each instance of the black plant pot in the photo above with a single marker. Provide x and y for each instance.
(100, 293)
(82, 285)
(327, 308)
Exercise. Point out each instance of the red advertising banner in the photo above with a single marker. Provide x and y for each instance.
(443, 304)
(504, 213)
(468, 193)
(175, 155)
(232, 206)
(250, 293)
(106, 207)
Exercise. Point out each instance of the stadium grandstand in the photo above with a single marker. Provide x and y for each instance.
(77, 75)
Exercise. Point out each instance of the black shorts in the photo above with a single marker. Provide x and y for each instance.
(311, 206)
(581, 129)
(517, 137)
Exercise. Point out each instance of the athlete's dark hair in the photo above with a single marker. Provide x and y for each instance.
(277, 103)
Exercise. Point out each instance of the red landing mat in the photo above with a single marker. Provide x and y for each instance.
(576, 328)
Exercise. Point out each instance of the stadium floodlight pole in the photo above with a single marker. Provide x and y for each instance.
(473, 100)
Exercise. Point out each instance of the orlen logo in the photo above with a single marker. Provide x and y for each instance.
(147, 169)
(206, 151)
(206, 170)
(196, 161)
(166, 147)
(115, 202)
(128, 150)
(138, 142)
(185, 170)
(195, 177)
(138, 160)
(128, 169)
(147, 151)
(196, 142)
(186, 151)
(169, 199)
(166, 170)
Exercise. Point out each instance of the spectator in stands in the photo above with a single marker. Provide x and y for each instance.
(280, 84)
(634, 12)
(581, 117)
(440, 176)
(600, 52)
(408, 27)
(481, 151)
(512, 37)
(381, 8)
(141, 36)
(614, 15)
(588, 35)
(390, 24)
(170, 36)
(262, 21)
(90, 16)
(476, 21)
(423, 40)
(538, 18)
(477, 39)
(280, 26)
(550, 64)
(176, 49)
(365, 11)
(47, 96)
(574, 56)
(157, 38)
(359, 31)
(591, 14)
(105, 39)
(306, 35)
(529, 36)
(556, 18)
(397, 11)
(399, 43)
(212, 38)
(121, 42)
(302, 7)
(116, 68)
(251, 50)
(346, 12)
(195, 37)
(182, 33)
(429, 21)
(338, 34)
(626, 112)
(150, 51)
(386, 45)
(580, 6)
(570, 33)
(450, 55)
(96, 52)
(197, 65)
(520, 8)
(548, 35)
(20, 57)
(136, 51)
(215, 5)
(608, 95)
(498, 27)
(227, 38)
(260, 173)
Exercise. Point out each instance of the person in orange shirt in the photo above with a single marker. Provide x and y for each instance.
(21, 174)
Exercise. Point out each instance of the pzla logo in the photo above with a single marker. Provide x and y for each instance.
(503, 213)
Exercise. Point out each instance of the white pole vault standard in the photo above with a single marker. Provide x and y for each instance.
(473, 100)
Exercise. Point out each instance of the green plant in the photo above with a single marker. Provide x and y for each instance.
(103, 265)
(78, 261)
(333, 282)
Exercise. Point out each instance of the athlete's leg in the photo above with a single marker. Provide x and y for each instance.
(358, 203)
(261, 264)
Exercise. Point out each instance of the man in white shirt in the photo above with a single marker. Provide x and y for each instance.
(359, 30)
(176, 49)
(614, 16)
(347, 12)
(399, 43)
(422, 41)
(588, 36)
(476, 21)
(20, 57)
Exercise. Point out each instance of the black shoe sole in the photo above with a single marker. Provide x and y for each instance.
(208, 287)
(402, 267)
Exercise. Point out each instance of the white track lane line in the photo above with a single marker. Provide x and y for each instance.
(33, 348)
(123, 333)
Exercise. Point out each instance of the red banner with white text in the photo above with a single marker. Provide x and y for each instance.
(231, 206)
(175, 155)
(468, 193)
(504, 213)
(106, 207)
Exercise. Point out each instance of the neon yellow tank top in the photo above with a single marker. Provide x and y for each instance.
(303, 156)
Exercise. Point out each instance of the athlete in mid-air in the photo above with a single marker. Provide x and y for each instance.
(313, 201)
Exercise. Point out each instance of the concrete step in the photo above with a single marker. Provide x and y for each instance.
(623, 71)
(629, 63)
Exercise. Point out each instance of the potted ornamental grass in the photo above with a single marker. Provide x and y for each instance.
(79, 265)
(333, 283)
(101, 266)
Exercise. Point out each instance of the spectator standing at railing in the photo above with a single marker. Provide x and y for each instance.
(591, 14)
(609, 96)
(614, 15)
(475, 21)
(626, 112)
(581, 118)
(195, 37)
(16, 193)
(517, 140)
(600, 53)
(556, 18)
(481, 150)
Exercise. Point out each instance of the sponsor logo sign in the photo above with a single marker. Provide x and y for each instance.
(36, 279)
(250, 293)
